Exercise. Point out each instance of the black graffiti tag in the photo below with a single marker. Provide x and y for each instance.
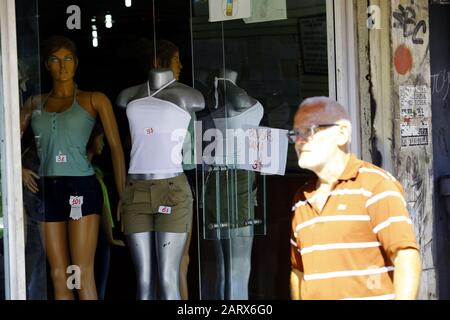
(407, 17)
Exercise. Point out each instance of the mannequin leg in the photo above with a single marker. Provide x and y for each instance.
(83, 235)
(220, 270)
(238, 254)
(184, 269)
(143, 254)
(169, 250)
(54, 235)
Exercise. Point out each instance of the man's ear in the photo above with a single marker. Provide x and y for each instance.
(345, 133)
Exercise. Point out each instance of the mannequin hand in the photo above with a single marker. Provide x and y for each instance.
(29, 180)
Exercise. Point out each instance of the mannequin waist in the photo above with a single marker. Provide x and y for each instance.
(153, 176)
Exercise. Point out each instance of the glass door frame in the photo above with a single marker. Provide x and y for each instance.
(343, 70)
(14, 237)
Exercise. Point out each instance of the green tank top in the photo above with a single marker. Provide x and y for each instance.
(61, 139)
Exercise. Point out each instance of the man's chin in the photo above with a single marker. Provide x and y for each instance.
(306, 165)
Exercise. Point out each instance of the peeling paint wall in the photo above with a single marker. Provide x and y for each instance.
(396, 102)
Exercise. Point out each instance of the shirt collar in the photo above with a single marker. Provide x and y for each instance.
(350, 172)
(352, 169)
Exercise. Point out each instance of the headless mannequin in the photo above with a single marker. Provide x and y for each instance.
(148, 249)
(232, 108)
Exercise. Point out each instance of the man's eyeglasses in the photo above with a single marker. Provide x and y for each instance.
(307, 131)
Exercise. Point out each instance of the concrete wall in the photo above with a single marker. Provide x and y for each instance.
(395, 92)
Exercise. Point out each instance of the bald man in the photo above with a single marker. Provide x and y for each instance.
(352, 237)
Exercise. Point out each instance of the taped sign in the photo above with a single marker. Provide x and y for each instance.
(267, 150)
(223, 10)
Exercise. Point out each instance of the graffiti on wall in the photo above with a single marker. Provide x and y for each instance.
(440, 82)
(406, 19)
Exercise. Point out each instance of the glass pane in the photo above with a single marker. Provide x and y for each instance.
(30, 86)
(254, 67)
(2, 168)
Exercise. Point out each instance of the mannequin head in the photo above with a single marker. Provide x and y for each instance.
(59, 55)
(168, 56)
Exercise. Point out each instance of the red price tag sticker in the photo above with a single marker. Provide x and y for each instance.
(165, 210)
(61, 158)
(76, 202)
(149, 131)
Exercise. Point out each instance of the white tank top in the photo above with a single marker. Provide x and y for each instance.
(230, 152)
(158, 129)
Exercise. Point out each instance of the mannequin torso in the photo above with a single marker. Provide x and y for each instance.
(232, 109)
(185, 97)
(161, 86)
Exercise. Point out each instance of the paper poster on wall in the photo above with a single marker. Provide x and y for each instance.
(414, 112)
(223, 10)
(266, 150)
(267, 10)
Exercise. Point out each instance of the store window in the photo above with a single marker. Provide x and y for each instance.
(254, 61)
(250, 72)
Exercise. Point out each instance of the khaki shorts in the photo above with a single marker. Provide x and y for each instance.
(146, 205)
(218, 196)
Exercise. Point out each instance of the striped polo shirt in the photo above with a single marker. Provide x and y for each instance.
(343, 251)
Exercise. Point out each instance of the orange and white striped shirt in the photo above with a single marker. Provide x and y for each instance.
(344, 250)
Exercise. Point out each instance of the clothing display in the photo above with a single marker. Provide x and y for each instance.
(56, 194)
(61, 139)
(163, 205)
(230, 199)
(153, 123)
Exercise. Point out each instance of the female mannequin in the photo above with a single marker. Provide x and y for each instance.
(62, 121)
(230, 225)
(147, 243)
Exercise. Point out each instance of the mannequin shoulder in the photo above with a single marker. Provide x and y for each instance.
(93, 99)
(130, 94)
(186, 97)
(34, 101)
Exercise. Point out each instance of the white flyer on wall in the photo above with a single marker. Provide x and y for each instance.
(266, 150)
(414, 112)
(267, 10)
(223, 10)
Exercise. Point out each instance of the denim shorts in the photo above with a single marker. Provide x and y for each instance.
(55, 195)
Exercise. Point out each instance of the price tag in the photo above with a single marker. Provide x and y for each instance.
(149, 131)
(165, 210)
(75, 210)
(61, 158)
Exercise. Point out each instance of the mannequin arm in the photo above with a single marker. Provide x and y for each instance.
(107, 227)
(407, 274)
(295, 283)
(103, 106)
(25, 115)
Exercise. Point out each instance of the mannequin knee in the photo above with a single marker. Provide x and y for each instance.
(170, 285)
(59, 275)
